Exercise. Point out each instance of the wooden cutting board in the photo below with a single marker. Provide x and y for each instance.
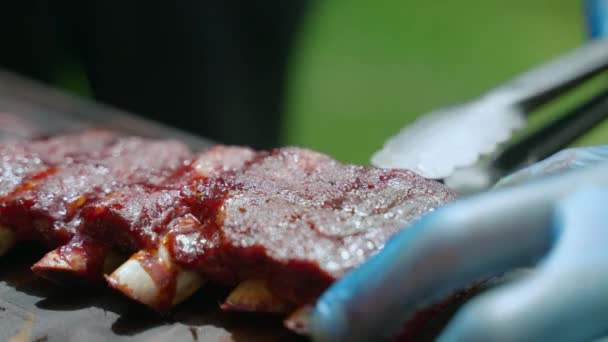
(32, 309)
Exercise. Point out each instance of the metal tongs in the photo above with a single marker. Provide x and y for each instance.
(465, 145)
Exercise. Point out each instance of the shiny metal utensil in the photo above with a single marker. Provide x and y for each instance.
(535, 146)
(441, 142)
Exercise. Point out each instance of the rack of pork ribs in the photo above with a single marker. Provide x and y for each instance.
(279, 226)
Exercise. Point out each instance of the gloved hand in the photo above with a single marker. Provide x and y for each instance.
(558, 223)
(597, 18)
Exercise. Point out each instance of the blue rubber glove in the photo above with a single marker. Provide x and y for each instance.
(558, 223)
(597, 18)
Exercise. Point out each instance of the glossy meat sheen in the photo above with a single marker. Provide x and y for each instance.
(47, 208)
(133, 218)
(137, 217)
(20, 162)
(303, 219)
(296, 218)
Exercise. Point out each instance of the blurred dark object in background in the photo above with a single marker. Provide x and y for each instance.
(215, 68)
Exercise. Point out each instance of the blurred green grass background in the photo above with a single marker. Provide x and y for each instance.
(364, 69)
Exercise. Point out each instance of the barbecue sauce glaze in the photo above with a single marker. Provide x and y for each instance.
(295, 217)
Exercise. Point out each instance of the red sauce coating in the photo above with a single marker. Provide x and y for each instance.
(48, 209)
(20, 162)
(164, 277)
(301, 219)
(82, 254)
(296, 217)
(139, 217)
(134, 218)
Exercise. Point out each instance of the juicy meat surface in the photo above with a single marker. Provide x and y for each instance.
(301, 219)
(294, 217)
(47, 209)
(138, 217)
(21, 162)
